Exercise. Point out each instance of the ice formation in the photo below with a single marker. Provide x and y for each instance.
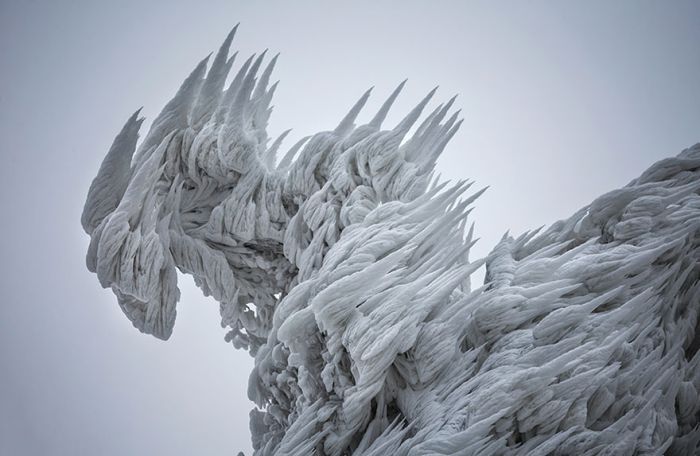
(343, 268)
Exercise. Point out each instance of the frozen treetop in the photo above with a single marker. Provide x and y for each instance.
(343, 268)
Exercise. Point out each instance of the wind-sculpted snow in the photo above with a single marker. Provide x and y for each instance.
(343, 268)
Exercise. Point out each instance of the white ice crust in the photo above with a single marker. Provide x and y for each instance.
(343, 269)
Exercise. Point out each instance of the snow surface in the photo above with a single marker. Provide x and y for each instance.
(343, 269)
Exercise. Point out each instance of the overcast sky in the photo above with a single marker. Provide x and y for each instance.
(562, 101)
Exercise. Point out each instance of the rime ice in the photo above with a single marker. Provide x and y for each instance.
(343, 268)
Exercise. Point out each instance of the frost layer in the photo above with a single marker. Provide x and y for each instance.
(343, 268)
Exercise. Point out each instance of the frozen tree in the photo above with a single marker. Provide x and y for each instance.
(343, 269)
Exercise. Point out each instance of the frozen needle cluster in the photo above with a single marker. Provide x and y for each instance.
(343, 268)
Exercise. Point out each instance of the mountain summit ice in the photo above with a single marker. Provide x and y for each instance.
(343, 269)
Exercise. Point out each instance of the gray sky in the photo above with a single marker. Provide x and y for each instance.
(562, 102)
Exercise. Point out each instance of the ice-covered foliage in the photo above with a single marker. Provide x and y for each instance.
(343, 268)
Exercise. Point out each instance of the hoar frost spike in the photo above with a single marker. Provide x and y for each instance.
(343, 269)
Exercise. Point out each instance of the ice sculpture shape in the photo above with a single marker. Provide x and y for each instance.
(343, 268)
